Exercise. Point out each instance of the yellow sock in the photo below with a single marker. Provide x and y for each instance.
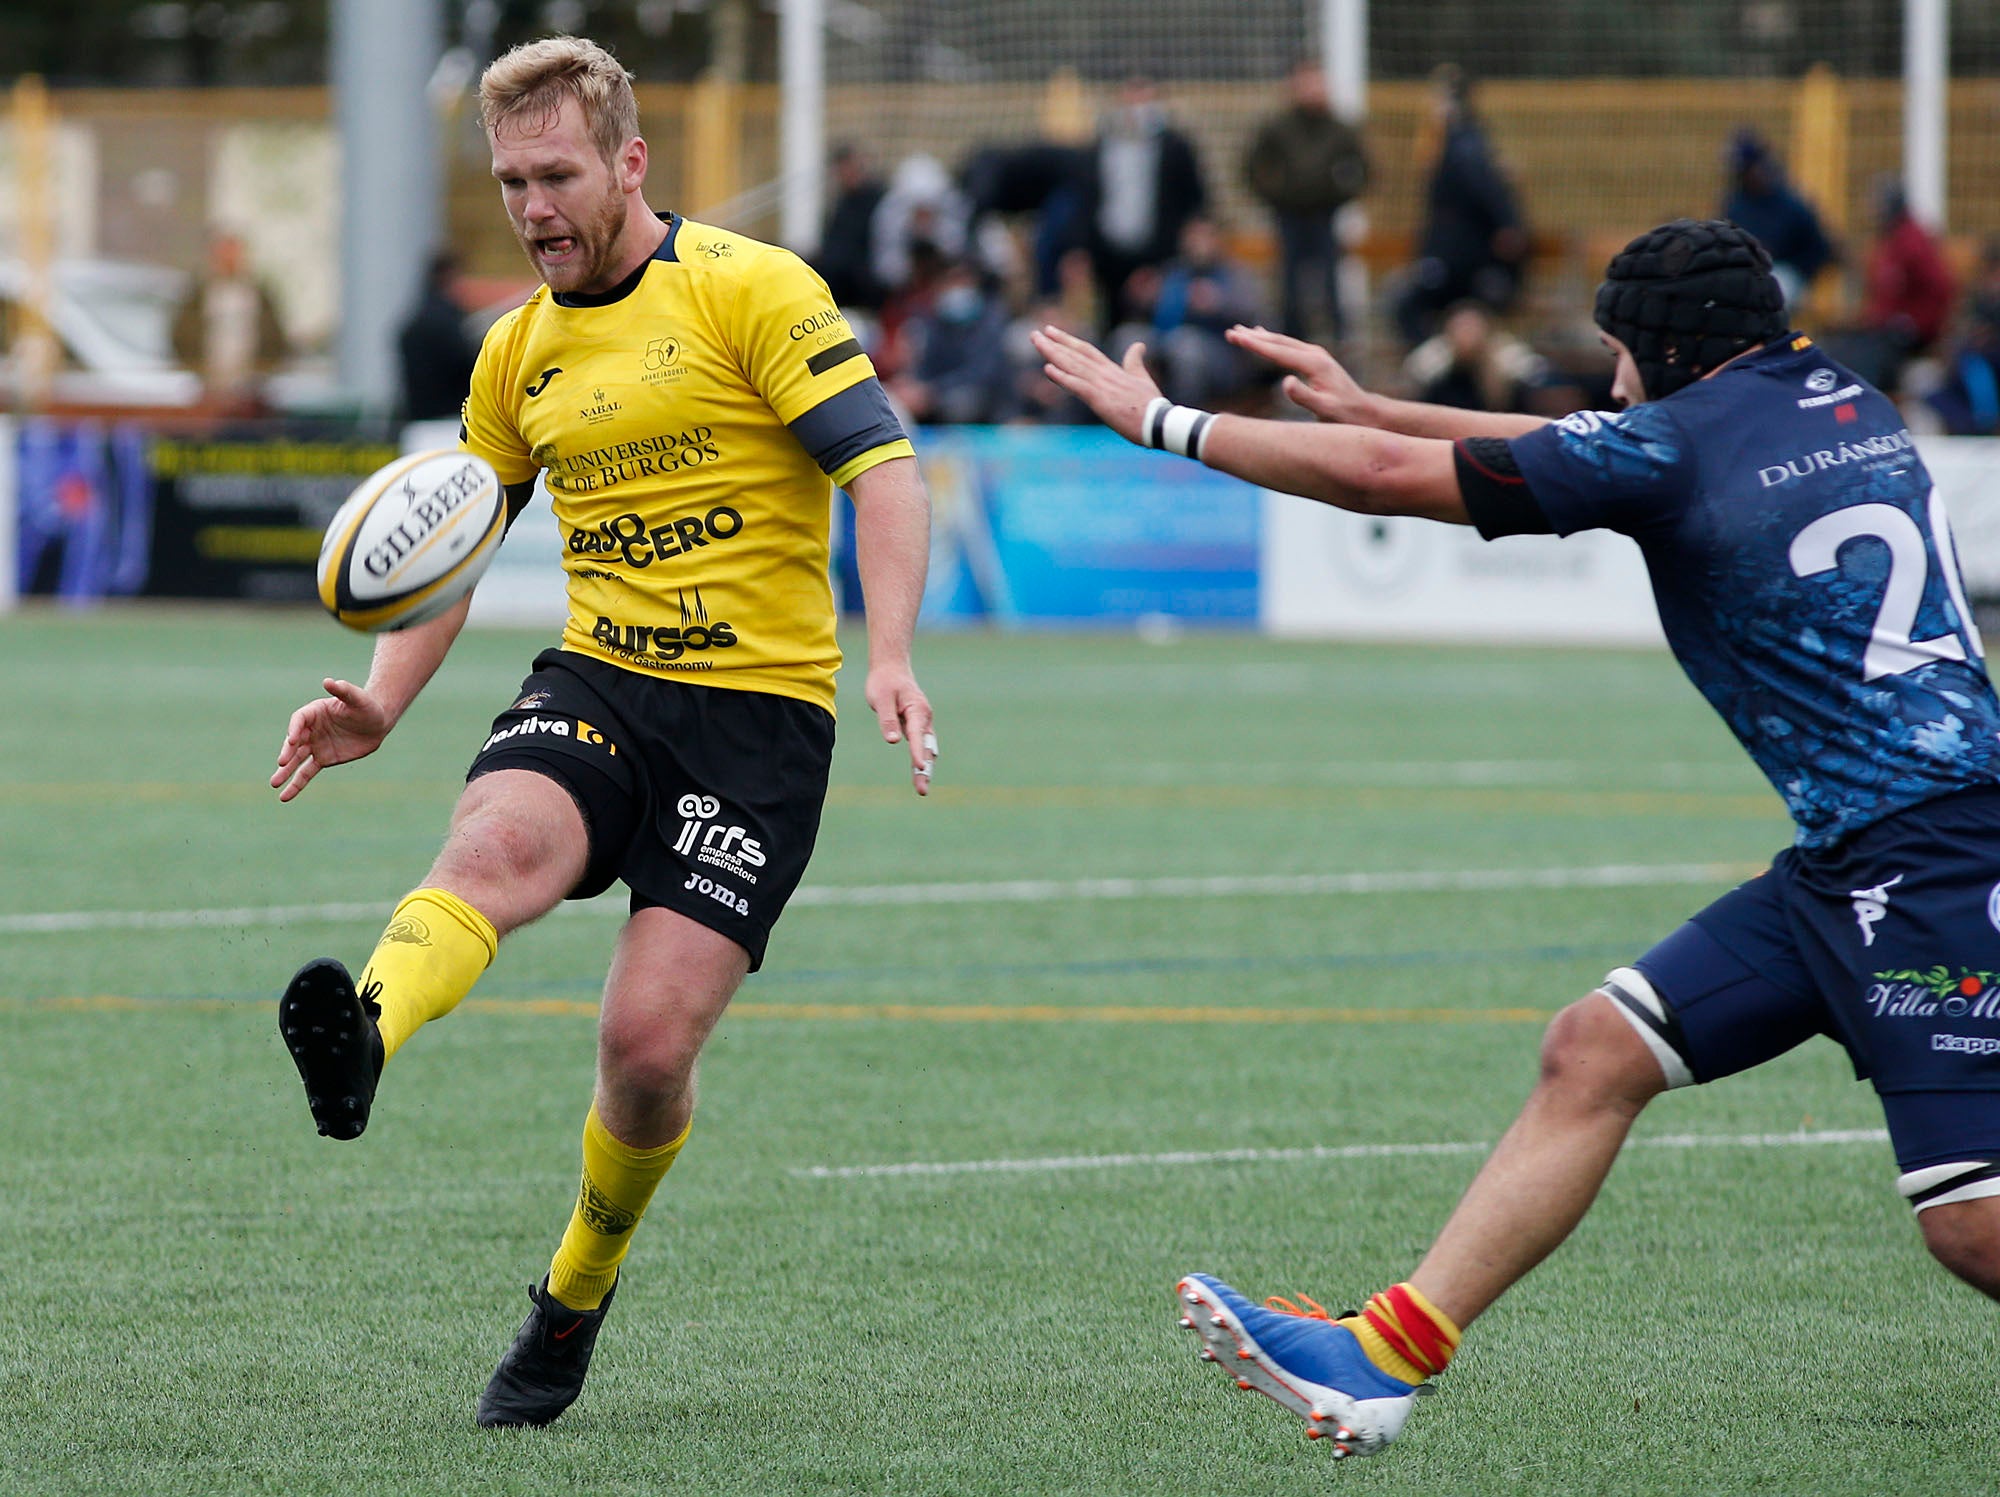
(430, 956)
(1404, 1334)
(618, 1181)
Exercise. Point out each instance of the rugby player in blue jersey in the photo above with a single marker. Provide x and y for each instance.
(1807, 585)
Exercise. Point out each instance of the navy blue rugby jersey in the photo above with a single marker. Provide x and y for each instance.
(1804, 573)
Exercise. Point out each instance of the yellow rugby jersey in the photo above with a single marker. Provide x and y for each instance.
(691, 423)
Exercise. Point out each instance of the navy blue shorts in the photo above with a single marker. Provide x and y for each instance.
(1888, 943)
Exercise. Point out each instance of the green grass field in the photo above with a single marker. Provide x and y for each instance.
(203, 1296)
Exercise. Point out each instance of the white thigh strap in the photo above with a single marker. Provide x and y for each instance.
(1947, 1184)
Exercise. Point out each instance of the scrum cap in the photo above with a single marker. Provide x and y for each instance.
(1687, 297)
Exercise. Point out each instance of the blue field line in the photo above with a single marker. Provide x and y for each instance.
(525, 992)
(1151, 966)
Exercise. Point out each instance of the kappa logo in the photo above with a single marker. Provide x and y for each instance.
(1870, 905)
(542, 381)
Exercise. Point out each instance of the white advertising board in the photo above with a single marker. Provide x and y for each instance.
(1328, 572)
(1966, 471)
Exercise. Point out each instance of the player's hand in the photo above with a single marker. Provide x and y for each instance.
(347, 723)
(1317, 382)
(905, 715)
(1117, 393)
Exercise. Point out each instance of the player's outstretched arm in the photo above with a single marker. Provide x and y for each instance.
(892, 547)
(1318, 383)
(351, 721)
(1352, 467)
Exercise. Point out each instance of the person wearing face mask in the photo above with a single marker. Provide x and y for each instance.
(1143, 182)
(954, 354)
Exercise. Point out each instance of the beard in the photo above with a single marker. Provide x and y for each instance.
(589, 264)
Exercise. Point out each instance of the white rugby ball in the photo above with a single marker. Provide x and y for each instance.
(411, 540)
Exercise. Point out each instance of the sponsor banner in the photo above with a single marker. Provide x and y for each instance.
(83, 509)
(9, 524)
(240, 513)
(1328, 572)
(1051, 525)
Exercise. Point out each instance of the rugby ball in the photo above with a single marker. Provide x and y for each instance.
(411, 540)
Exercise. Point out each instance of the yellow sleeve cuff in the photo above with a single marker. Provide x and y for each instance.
(874, 457)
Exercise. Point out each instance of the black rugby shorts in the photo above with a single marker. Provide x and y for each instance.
(703, 800)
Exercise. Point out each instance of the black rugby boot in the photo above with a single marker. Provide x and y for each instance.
(543, 1370)
(330, 1030)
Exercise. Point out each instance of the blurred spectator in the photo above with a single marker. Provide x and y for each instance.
(1910, 288)
(953, 367)
(1043, 178)
(1194, 299)
(1305, 163)
(1037, 398)
(1142, 184)
(1473, 364)
(228, 330)
(1968, 401)
(1474, 241)
(1761, 201)
(435, 349)
(846, 258)
(922, 206)
(1910, 291)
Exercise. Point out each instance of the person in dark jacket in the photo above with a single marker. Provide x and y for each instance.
(1762, 201)
(846, 258)
(1305, 163)
(1475, 244)
(1142, 183)
(435, 349)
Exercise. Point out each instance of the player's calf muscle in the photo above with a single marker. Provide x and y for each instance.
(1965, 1238)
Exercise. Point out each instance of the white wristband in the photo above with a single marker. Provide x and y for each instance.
(1179, 429)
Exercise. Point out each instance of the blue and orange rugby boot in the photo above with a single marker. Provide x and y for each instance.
(1302, 1359)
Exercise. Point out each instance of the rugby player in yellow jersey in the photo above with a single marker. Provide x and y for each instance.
(691, 396)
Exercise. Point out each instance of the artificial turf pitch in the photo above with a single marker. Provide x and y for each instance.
(1133, 1079)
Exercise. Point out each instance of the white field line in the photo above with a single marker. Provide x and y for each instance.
(1006, 891)
(1323, 1151)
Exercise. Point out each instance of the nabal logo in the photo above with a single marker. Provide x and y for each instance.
(1938, 990)
(1871, 905)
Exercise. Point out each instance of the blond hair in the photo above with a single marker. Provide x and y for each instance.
(530, 83)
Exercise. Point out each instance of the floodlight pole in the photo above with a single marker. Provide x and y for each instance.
(802, 121)
(1926, 89)
(1343, 46)
(382, 54)
(1343, 31)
